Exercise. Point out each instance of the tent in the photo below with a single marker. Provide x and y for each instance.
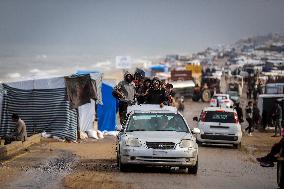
(42, 104)
(106, 106)
(159, 68)
(87, 112)
(107, 111)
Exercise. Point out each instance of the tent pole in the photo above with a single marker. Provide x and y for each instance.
(78, 127)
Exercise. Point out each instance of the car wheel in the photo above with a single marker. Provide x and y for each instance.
(280, 174)
(199, 143)
(206, 95)
(195, 98)
(237, 146)
(193, 169)
(123, 167)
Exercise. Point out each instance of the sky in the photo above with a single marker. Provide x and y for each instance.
(102, 29)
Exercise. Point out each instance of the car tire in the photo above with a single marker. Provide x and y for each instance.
(206, 95)
(123, 167)
(195, 98)
(237, 146)
(193, 169)
(280, 174)
(199, 143)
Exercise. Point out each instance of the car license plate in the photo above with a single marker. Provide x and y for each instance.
(159, 152)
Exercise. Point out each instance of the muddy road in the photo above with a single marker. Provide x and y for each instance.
(92, 164)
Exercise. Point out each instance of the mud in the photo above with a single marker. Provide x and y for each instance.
(48, 174)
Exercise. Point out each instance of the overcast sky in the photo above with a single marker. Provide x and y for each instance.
(132, 27)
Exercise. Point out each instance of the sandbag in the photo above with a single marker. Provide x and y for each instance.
(92, 134)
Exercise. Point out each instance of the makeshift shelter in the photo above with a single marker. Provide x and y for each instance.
(87, 112)
(266, 104)
(159, 68)
(42, 104)
(107, 111)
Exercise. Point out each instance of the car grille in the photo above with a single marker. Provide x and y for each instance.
(161, 145)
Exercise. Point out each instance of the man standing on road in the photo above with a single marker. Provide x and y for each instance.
(249, 115)
(125, 91)
(20, 132)
(256, 116)
(239, 112)
(277, 118)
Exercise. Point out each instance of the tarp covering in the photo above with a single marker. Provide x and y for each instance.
(107, 111)
(80, 89)
(41, 109)
(87, 116)
(98, 78)
(160, 68)
(87, 111)
(45, 83)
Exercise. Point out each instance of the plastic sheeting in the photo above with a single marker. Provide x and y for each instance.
(47, 83)
(107, 111)
(87, 112)
(98, 78)
(160, 68)
(87, 116)
(42, 110)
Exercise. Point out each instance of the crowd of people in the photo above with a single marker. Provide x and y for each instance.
(254, 88)
(142, 90)
(255, 120)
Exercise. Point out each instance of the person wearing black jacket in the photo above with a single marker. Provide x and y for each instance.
(156, 95)
(277, 118)
(256, 116)
(239, 112)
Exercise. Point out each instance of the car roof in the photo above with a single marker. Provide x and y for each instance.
(218, 108)
(151, 108)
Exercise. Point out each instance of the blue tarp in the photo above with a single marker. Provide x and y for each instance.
(160, 68)
(107, 111)
(85, 72)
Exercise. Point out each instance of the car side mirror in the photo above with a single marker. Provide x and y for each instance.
(195, 118)
(196, 131)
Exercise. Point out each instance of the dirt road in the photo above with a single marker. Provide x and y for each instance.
(92, 164)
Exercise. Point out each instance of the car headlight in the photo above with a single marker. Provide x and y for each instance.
(133, 142)
(186, 144)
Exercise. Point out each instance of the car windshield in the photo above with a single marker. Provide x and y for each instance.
(220, 117)
(156, 122)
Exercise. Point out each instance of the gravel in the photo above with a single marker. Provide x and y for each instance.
(48, 174)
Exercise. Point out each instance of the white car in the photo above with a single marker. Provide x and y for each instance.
(155, 136)
(219, 125)
(221, 100)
